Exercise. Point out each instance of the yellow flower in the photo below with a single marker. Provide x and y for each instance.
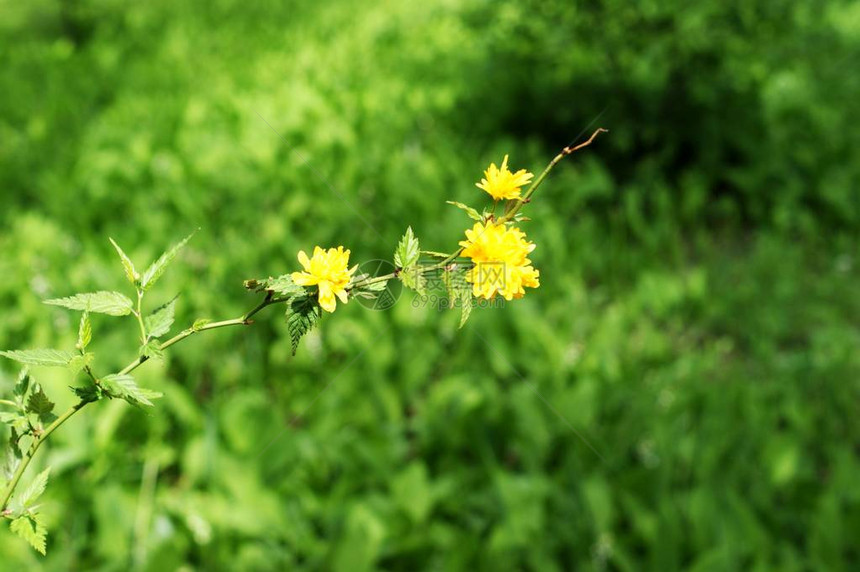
(501, 183)
(501, 264)
(328, 270)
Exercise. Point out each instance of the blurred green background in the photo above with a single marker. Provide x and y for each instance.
(698, 321)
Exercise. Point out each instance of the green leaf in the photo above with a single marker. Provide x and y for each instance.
(158, 323)
(15, 420)
(56, 358)
(473, 214)
(39, 403)
(85, 332)
(375, 286)
(435, 254)
(13, 457)
(156, 269)
(408, 250)
(371, 287)
(459, 293)
(151, 349)
(465, 301)
(23, 383)
(31, 529)
(284, 286)
(124, 387)
(111, 303)
(127, 264)
(32, 493)
(302, 313)
(87, 393)
(79, 362)
(199, 323)
(413, 278)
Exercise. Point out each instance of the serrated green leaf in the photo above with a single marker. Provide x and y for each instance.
(32, 493)
(87, 393)
(79, 362)
(465, 305)
(39, 403)
(111, 303)
(13, 456)
(459, 293)
(473, 214)
(151, 349)
(370, 287)
(302, 314)
(284, 286)
(31, 529)
(199, 323)
(376, 286)
(157, 268)
(364, 294)
(124, 387)
(15, 420)
(23, 383)
(413, 278)
(408, 250)
(127, 264)
(85, 332)
(55, 358)
(158, 323)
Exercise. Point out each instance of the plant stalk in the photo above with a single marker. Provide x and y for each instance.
(31, 451)
(244, 320)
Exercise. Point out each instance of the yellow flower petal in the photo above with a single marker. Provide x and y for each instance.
(501, 183)
(328, 269)
(303, 278)
(501, 264)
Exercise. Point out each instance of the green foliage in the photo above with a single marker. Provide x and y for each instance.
(127, 265)
(473, 214)
(156, 269)
(406, 258)
(87, 393)
(459, 292)
(54, 358)
(366, 286)
(27, 497)
(22, 385)
(302, 314)
(158, 323)
(110, 303)
(408, 251)
(151, 349)
(39, 404)
(283, 286)
(124, 387)
(413, 277)
(30, 528)
(85, 332)
(79, 362)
